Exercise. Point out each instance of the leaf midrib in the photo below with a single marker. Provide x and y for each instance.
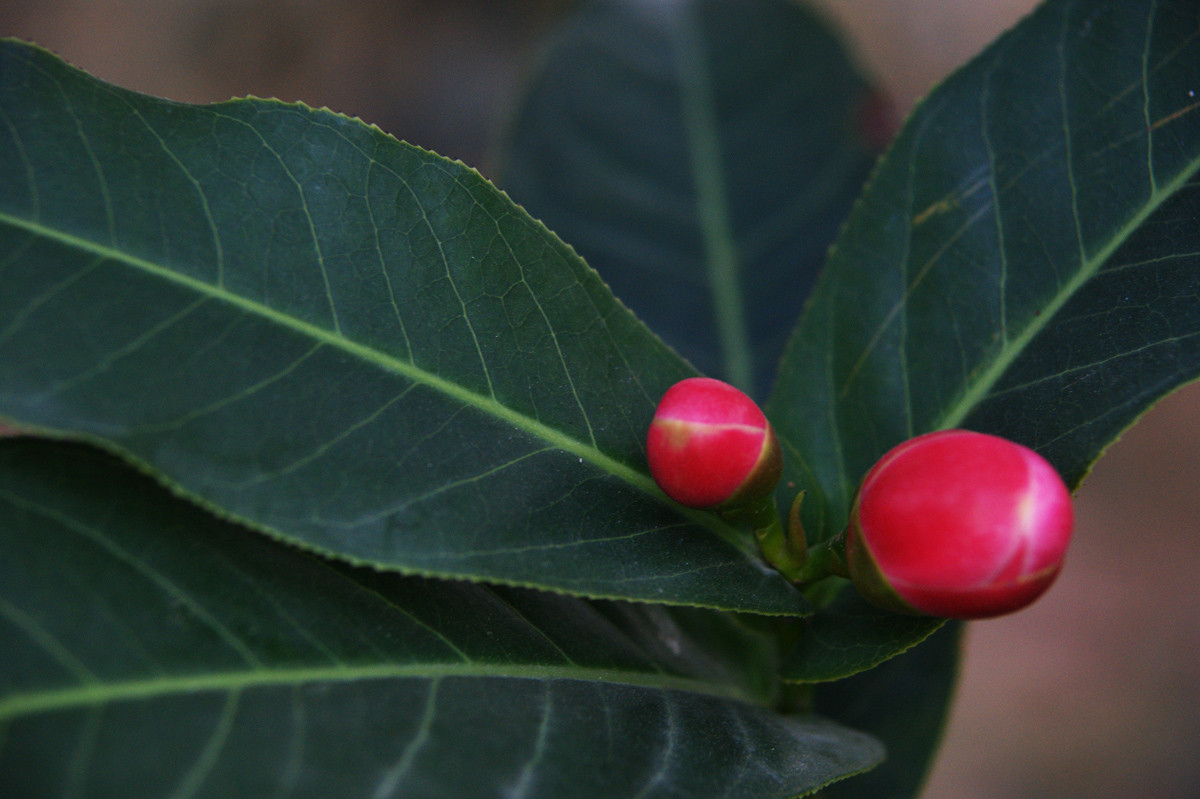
(488, 405)
(715, 222)
(93, 694)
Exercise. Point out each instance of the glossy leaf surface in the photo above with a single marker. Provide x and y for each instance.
(1024, 262)
(151, 650)
(701, 156)
(340, 339)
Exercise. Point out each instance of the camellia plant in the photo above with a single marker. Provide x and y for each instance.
(328, 469)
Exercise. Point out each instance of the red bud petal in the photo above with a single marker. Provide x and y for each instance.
(710, 445)
(959, 524)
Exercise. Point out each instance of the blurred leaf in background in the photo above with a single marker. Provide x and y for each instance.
(700, 156)
(151, 650)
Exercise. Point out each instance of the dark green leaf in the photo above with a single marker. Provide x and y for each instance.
(700, 155)
(338, 338)
(904, 702)
(1025, 261)
(151, 650)
(848, 636)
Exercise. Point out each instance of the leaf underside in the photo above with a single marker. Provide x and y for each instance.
(152, 650)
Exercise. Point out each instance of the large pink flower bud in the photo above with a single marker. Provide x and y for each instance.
(958, 524)
(710, 446)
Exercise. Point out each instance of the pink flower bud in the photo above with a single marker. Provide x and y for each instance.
(958, 524)
(711, 446)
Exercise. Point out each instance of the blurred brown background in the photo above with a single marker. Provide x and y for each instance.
(1093, 691)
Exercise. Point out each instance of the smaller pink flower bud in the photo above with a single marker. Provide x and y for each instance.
(710, 446)
(958, 524)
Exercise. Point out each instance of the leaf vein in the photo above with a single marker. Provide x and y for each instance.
(224, 402)
(325, 446)
(1152, 11)
(161, 581)
(394, 776)
(528, 770)
(218, 249)
(1069, 165)
(211, 753)
(34, 303)
(48, 643)
(312, 229)
(105, 362)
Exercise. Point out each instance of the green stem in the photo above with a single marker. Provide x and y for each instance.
(776, 545)
(826, 559)
(786, 549)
